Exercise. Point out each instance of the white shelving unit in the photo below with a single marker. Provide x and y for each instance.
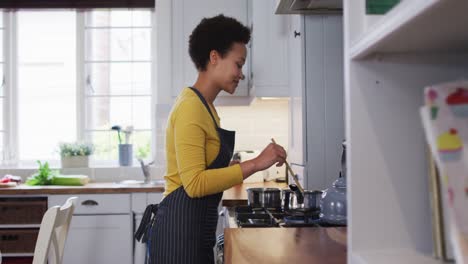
(388, 62)
(416, 26)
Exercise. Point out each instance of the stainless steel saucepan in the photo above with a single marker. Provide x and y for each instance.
(293, 199)
(264, 197)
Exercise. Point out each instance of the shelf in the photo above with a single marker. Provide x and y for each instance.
(393, 256)
(20, 226)
(18, 254)
(436, 26)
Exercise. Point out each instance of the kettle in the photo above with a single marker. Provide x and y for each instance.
(333, 202)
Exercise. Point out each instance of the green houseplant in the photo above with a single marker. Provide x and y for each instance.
(75, 154)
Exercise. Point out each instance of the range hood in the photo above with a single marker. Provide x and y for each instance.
(309, 7)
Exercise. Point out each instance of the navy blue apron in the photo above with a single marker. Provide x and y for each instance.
(183, 229)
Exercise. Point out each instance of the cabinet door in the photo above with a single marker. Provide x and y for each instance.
(297, 135)
(186, 15)
(324, 97)
(269, 50)
(96, 239)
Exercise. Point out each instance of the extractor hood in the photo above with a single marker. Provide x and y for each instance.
(309, 7)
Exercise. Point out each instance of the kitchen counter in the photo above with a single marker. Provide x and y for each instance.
(285, 245)
(237, 195)
(90, 188)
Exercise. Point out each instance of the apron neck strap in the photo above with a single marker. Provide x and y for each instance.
(205, 103)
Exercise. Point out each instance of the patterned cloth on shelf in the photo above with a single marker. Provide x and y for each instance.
(445, 120)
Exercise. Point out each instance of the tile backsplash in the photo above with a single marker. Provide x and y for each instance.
(257, 123)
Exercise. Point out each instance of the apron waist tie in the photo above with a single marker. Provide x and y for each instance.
(146, 223)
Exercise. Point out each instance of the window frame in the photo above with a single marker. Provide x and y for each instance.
(10, 108)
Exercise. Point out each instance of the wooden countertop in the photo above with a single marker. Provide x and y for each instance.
(285, 245)
(237, 195)
(90, 188)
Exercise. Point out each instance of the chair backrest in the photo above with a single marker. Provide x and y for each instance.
(53, 233)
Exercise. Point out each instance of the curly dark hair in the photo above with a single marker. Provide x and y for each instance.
(215, 33)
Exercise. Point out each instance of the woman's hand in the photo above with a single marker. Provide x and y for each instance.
(234, 162)
(272, 154)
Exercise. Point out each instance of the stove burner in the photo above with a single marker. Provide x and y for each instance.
(247, 216)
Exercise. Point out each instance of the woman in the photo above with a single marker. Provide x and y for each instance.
(198, 151)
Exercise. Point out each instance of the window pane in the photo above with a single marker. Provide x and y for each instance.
(109, 44)
(1, 114)
(3, 154)
(142, 144)
(2, 78)
(119, 44)
(105, 144)
(105, 112)
(2, 32)
(119, 78)
(1, 19)
(141, 81)
(141, 112)
(141, 18)
(119, 18)
(97, 116)
(46, 82)
(141, 44)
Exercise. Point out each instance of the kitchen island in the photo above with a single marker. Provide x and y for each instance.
(278, 244)
(285, 245)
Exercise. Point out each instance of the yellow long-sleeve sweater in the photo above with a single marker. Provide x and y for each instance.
(192, 143)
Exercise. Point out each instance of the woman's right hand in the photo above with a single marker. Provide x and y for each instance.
(272, 154)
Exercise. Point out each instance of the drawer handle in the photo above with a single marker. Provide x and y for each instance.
(89, 203)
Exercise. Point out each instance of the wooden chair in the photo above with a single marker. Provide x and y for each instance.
(53, 233)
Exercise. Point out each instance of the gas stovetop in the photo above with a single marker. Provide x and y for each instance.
(246, 216)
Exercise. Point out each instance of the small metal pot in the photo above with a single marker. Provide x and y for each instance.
(312, 199)
(255, 197)
(289, 200)
(272, 198)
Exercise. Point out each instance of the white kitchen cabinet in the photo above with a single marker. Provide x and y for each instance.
(316, 108)
(97, 239)
(139, 203)
(297, 142)
(387, 65)
(101, 229)
(270, 64)
(186, 14)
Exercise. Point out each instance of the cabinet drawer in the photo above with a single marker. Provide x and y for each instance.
(18, 240)
(27, 210)
(96, 203)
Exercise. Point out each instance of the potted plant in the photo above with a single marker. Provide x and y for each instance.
(75, 154)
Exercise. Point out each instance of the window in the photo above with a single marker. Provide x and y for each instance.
(118, 79)
(46, 82)
(75, 79)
